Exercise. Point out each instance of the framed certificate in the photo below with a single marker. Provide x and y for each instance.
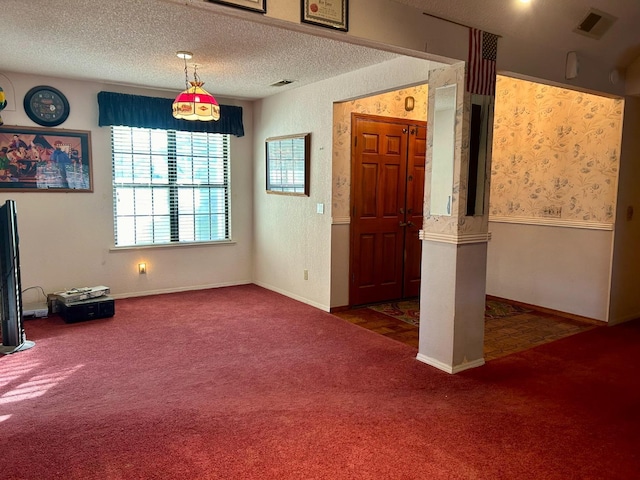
(326, 13)
(253, 5)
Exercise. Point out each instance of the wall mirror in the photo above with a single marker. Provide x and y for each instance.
(288, 164)
(479, 150)
(443, 150)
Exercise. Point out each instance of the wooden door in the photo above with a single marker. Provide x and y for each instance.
(378, 196)
(416, 156)
(386, 201)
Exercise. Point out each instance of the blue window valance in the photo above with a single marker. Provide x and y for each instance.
(155, 112)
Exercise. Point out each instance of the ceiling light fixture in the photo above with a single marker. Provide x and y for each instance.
(194, 103)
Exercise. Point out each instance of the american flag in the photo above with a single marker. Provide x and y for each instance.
(483, 49)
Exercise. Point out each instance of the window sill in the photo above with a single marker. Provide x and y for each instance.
(174, 245)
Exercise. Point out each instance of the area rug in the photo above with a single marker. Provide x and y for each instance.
(496, 309)
(409, 310)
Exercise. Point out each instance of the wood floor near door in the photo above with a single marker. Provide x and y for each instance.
(503, 336)
(383, 324)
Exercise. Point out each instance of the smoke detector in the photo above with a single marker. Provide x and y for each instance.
(595, 24)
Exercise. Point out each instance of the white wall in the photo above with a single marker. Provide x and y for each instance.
(625, 293)
(66, 239)
(564, 269)
(289, 235)
(393, 23)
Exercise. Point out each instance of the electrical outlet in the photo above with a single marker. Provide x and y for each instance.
(306, 274)
(552, 211)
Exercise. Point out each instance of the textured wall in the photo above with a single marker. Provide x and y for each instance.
(556, 153)
(289, 235)
(66, 239)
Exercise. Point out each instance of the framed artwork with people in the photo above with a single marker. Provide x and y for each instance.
(45, 159)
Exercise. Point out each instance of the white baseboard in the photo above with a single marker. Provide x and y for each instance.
(179, 289)
(319, 306)
(449, 368)
(626, 318)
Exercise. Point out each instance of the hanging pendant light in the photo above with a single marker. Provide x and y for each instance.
(194, 103)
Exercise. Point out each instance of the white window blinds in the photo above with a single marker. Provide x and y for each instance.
(170, 186)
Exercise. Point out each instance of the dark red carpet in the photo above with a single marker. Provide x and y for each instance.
(243, 383)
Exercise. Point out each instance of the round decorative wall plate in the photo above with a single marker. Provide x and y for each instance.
(46, 106)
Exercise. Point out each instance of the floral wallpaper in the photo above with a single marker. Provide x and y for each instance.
(555, 153)
(390, 104)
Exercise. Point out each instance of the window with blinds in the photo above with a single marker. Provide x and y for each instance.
(169, 186)
(288, 164)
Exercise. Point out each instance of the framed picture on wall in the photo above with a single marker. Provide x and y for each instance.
(45, 160)
(331, 14)
(288, 164)
(253, 5)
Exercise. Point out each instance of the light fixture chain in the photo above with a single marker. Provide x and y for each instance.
(186, 74)
(195, 73)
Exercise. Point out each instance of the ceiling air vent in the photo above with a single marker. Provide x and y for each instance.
(595, 24)
(282, 83)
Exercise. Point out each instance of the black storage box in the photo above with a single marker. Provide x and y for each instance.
(100, 307)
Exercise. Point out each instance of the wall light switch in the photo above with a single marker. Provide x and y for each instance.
(320, 208)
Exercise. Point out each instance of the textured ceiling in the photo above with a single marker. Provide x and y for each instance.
(134, 42)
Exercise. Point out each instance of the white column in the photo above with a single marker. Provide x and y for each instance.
(454, 248)
(452, 303)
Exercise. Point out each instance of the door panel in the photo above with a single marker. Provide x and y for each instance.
(368, 190)
(415, 204)
(391, 268)
(387, 195)
(367, 260)
(390, 184)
